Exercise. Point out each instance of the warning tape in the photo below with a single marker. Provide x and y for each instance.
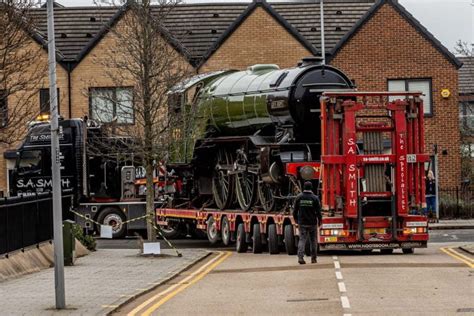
(149, 217)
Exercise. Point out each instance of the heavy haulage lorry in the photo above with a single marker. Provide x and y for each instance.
(245, 141)
(105, 178)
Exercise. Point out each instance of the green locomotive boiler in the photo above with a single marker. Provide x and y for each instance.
(240, 131)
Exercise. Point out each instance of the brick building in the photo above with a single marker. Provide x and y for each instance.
(377, 43)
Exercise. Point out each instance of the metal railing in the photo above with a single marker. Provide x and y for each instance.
(456, 202)
(27, 221)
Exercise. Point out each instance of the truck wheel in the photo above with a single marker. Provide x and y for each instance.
(241, 244)
(212, 232)
(256, 239)
(225, 231)
(272, 240)
(408, 250)
(386, 251)
(289, 239)
(170, 231)
(115, 218)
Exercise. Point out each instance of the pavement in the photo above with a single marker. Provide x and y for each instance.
(452, 224)
(96, 284)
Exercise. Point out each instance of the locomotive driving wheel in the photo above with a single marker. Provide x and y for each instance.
(222, 180)
(245, 189)
(266, 195)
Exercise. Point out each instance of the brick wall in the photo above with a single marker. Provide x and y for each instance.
(388, 47)
(260, 39)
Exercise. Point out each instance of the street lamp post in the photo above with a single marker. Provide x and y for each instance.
(55, 166)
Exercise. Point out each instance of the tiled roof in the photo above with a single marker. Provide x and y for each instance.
(74, 27)
(466, 75)
(339, 17)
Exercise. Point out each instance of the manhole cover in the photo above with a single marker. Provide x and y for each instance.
(307, 300)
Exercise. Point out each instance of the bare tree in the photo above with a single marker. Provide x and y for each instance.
(21, 74)
(144, 63)
(467, 111)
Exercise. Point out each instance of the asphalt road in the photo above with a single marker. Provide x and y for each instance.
(438, 280)
(429, 282)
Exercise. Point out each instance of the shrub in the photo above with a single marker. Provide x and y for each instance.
(86, 240)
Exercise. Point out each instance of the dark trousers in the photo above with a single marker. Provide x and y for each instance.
(307, 232)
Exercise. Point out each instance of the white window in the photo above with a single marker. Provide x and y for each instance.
(109, 105)
(423, 85)
(466, 116)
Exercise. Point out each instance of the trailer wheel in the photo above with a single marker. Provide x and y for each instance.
(289, 239)
(225, 231)
(386, 251)
(241, 243)
(170, 231)
(115, 218)
(256, 239)
(212, 232)
(408, 250)
(272, 240)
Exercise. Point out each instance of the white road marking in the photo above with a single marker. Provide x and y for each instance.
(347, 315)
(337, 265)
(338, 275)
(334, 257)
(342, 287)
(345, 302)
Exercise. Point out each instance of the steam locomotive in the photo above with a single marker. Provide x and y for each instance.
(252, 137)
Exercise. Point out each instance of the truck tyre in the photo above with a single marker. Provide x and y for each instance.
(289, 239)
(386, 251)
(272, 239)
(170, 231)
(241, 243)
(115, 218)
(408, 250)
(256, 239)
(225, 231)
(212, 232)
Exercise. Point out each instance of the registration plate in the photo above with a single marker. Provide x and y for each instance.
(330, 239)
(374, 231)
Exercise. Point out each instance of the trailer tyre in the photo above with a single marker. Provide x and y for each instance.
(212, 232)
(408, 250)
(225, 231)
(241, 242)
(256, 239)
(289, 239)
(115, 218)
(272, 240)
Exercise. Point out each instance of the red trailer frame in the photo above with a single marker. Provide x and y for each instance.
(345, 117)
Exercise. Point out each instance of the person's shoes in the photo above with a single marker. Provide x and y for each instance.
(314, 260)
(301, 261)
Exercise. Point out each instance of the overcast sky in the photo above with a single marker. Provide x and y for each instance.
(448, 20)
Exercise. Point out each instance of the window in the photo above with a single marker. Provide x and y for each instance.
(30, 162)
(44, 101)
(466, 116)
(423, 85)
(109, 105)
(3, 109)
(467, 150)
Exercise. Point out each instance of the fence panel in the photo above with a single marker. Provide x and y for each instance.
(456, 202)
(26, 221)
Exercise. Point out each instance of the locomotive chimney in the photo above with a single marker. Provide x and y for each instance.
(312, 60)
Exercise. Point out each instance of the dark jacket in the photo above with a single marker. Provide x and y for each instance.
(307, 209)
(430, 187)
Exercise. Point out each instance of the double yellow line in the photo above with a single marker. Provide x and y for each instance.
(459, 256)
(159, 299)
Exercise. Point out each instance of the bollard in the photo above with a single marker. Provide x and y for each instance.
(69, 242)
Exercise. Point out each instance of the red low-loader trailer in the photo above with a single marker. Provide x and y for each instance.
(372, 182)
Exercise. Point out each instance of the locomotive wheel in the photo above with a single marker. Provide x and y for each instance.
(266, 196)
(241, 242)
(222, 181)
(246, 189)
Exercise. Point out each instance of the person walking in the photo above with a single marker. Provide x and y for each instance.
(307, 213)
(430, 194)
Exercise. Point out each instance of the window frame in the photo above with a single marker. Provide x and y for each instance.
(464, 115)
(408, 80)
(49, 97)
(3, 109)
(115, 102)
